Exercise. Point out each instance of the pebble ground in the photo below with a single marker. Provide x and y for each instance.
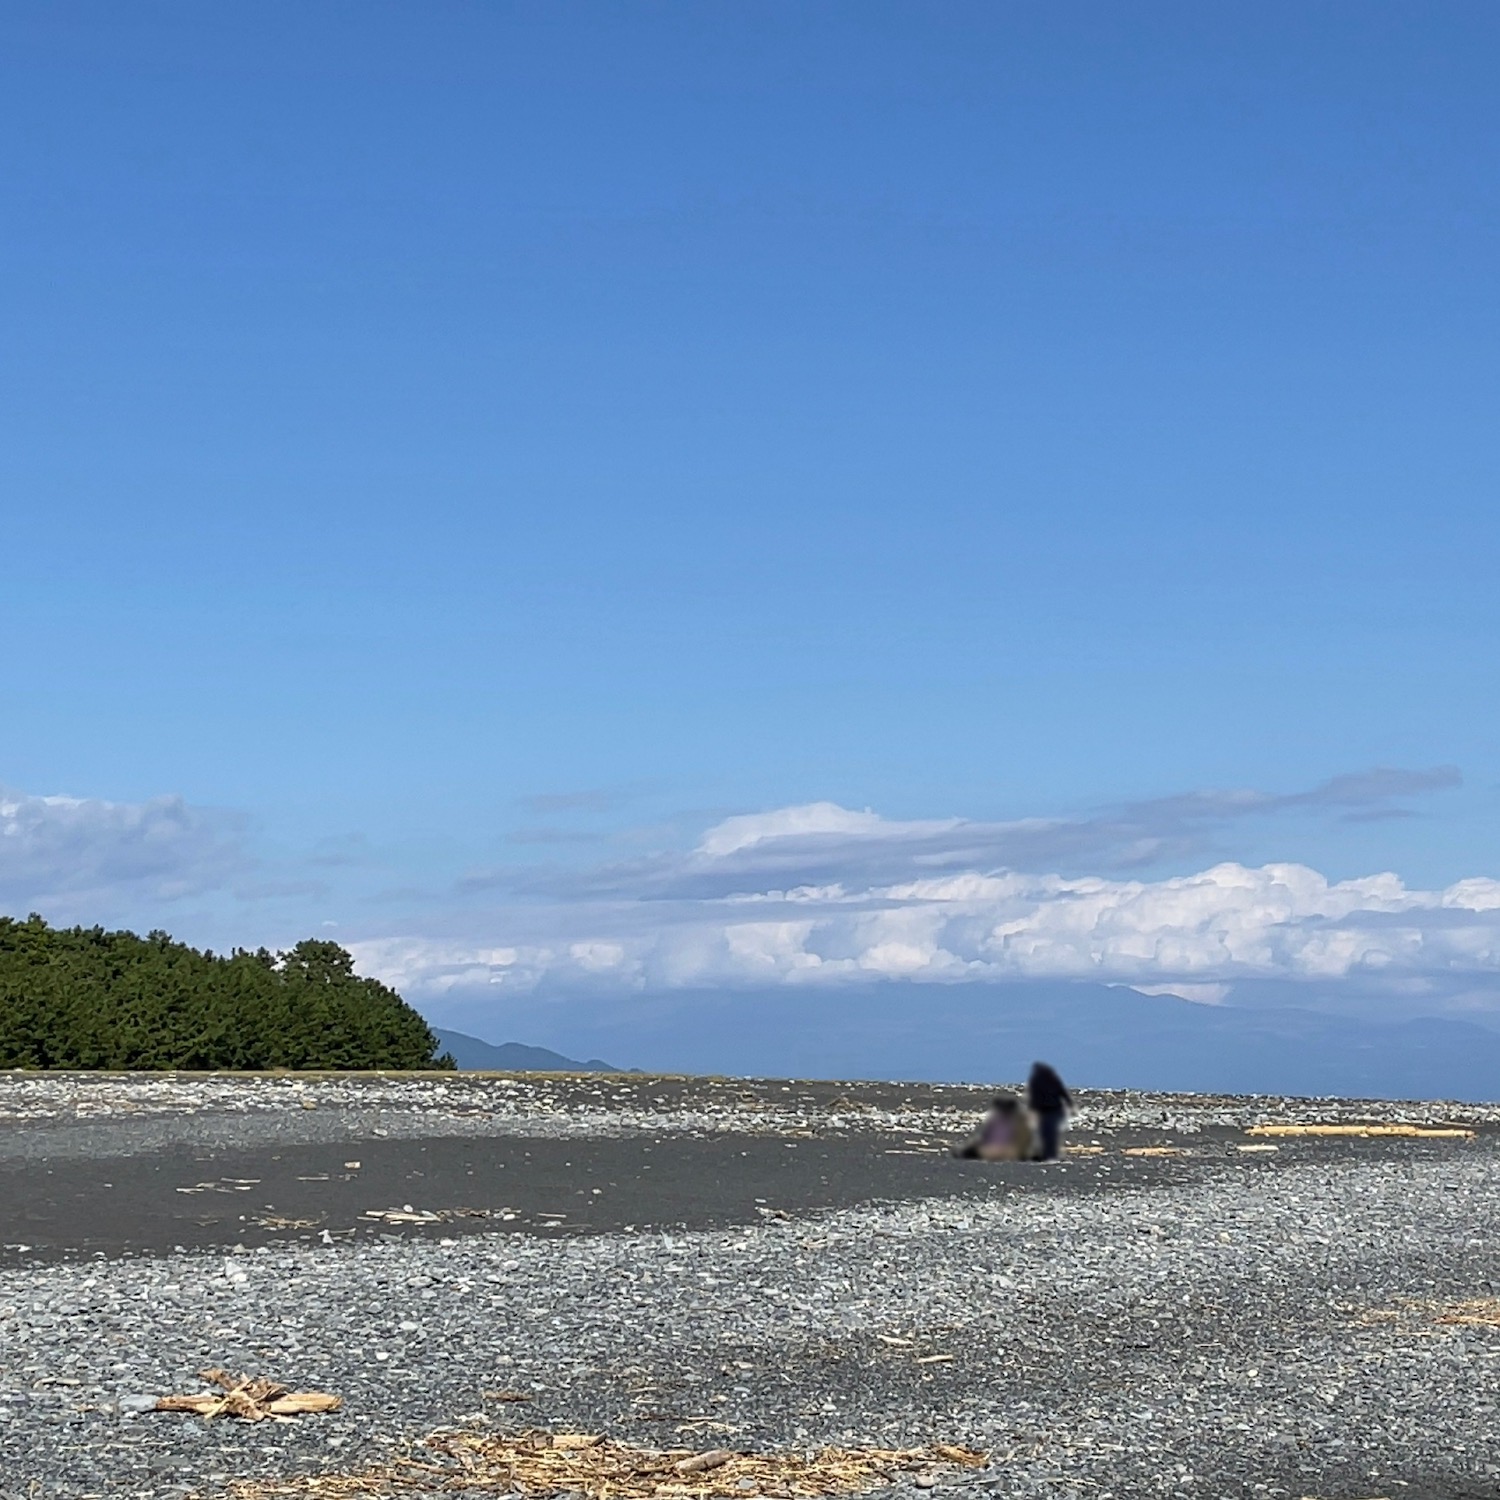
(1209, 1322)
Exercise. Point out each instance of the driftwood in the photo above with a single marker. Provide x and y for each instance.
(700, 1463)
(252, 1398)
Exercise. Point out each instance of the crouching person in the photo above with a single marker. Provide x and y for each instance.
(1005, 1135)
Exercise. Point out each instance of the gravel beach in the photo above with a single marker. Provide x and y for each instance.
(1179, 1308)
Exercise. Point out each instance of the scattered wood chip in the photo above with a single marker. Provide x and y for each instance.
(294, 1403)
(935, 1359)
(406, 1214)
(507, 1396)
(963, 1458)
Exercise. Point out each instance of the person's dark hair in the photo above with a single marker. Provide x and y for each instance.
(1006, 1103)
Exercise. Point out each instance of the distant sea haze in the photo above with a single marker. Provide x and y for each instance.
(1098, 1036)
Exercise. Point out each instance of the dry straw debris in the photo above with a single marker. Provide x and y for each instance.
(544, 1464)
(1475, 1312)
(406, 1214)
(1423, 1132)
(1422, 1315)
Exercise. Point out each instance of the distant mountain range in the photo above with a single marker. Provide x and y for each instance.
(1097, 1035)
(472, 1054)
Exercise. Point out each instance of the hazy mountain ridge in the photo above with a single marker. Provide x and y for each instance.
(475, 1055)
(1098, 1035)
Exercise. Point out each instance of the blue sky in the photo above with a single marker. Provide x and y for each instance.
(456, 457)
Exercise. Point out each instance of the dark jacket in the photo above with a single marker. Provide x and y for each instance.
(1045, 1091)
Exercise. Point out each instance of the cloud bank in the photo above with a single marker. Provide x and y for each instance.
(84, 851)
(1189, 934)
(819, 895)
(823, 842)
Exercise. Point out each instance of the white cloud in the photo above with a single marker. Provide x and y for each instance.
(1200, 994)
(416, 965)
(811, 820)
(80, 847)
(598, 958)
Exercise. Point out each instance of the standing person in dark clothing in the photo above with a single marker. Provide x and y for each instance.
(1049, 1100)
